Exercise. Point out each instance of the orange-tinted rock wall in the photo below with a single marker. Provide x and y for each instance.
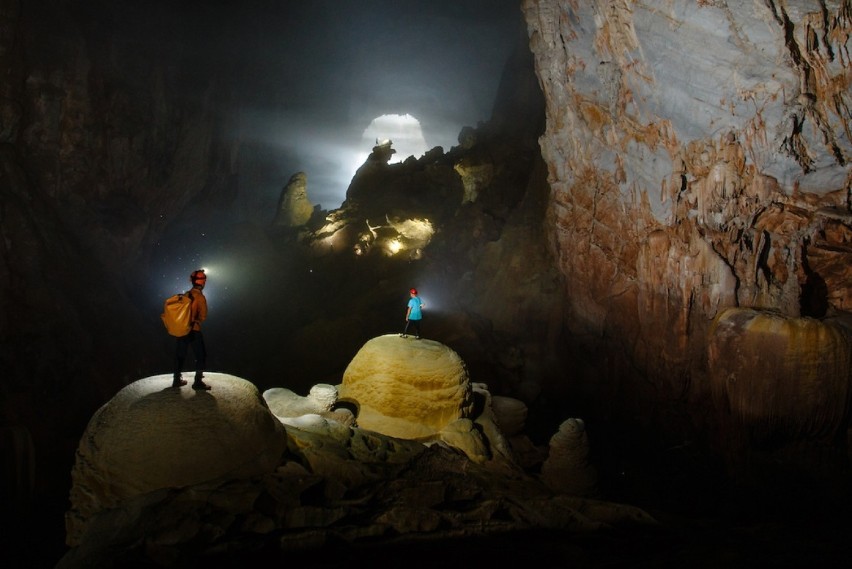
(698, 159)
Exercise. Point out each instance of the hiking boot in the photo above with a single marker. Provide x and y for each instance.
(178, 382)
(200, 385)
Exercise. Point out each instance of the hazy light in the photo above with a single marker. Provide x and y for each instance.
(358, 159)
(394, 245)
(402, 130)
(420, 230)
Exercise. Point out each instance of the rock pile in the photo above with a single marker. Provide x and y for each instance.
(172, 475)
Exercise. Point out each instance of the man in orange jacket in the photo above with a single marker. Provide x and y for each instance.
(198, 314)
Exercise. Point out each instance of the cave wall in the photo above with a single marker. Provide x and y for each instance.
(698, 156)
(104, 141)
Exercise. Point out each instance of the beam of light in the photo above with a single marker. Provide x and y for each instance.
(300, 142)
(174, 278)
(358, 159)
(436, 295)
(177, 258)
(317, 148)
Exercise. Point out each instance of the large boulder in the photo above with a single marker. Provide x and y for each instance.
(407, 388)
(772, 373)
(152, 436)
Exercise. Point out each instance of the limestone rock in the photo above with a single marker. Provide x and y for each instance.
(511, 414)
(467, 137)
(770, 372)
(294, 208)
(343, 416)
(489, 430)
(343, 485)
(475, 177)
(151, 436)
(463, 435)
(407, 388)
(324, 395)
(347, 486)
(567, 469)
(285, 403)
(528, 455)
(688, 180)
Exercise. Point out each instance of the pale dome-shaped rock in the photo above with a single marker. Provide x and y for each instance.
(151, 436)
(407, 388)
(567, 469)
(286, 403)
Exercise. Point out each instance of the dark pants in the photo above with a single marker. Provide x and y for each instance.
(414, 324)
(196, 340)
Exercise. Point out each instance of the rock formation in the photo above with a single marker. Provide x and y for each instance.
(510, 413)
(151, 436)
(294, 207)
(698, 156)
(474, 176)
(215, 476)
(391, 210)
(284, 403)
(407, 388)
(320, 401)
(567, 469)
(780, 377)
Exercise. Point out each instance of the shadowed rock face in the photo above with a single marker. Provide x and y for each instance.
(698, 156)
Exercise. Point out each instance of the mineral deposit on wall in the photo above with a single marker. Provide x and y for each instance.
(698, 156)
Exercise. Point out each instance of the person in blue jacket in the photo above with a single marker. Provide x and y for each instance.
(414, 314)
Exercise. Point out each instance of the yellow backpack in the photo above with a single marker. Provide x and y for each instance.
(177, 314)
